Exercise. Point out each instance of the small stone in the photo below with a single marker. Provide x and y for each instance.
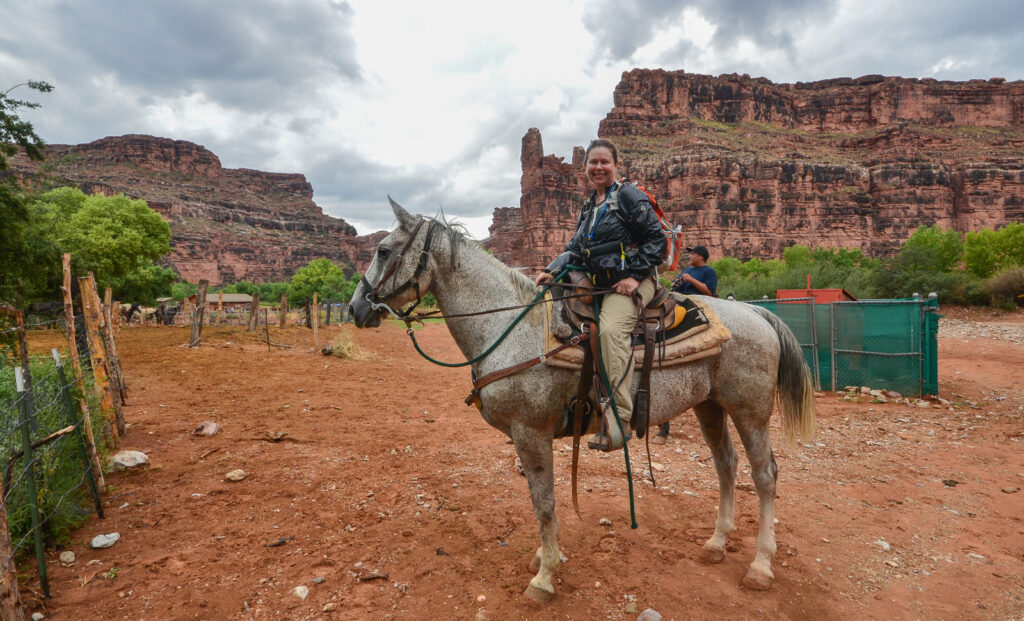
(605, 522)
(657, 466)
(123, 460)
(865, 390)
(329, 607)
(884, 545)
(649, 615)
(480, 599)
(319, 580)
(376, 574)
(206, 428)
(235, 475)
(482, 615)
(1010, 490)
(630, 608)
(301, 592)
(38, 616)
(975, 556)
(923, 404)
(105, 541)
(597, 585)
(67, 557)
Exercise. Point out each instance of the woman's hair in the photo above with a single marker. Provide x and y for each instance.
(607, 144)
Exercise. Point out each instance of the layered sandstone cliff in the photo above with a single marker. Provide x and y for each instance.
(748, 167)
(227, 224)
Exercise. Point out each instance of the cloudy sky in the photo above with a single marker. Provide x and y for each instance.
(428, 101)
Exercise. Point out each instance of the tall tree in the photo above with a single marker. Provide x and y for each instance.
(15, 135)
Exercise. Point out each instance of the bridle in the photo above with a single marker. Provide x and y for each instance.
(376, 301)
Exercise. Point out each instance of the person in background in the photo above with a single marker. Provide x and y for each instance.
(697, 279)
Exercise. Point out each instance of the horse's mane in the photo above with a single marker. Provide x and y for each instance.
(458, 237)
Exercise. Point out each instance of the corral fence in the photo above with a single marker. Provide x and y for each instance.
(886, 344)
(50, 465)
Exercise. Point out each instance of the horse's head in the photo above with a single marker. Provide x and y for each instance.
(399, 272)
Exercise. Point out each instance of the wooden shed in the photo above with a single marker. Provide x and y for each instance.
(231, 300)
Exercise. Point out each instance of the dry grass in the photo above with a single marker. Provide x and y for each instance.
(345, 348)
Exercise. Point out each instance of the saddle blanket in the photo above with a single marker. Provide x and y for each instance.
(700, 341)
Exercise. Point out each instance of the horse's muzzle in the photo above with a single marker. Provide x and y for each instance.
(363, 314)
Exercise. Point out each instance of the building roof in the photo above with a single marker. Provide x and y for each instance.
(229, 298)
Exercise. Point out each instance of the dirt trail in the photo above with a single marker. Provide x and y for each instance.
(384, 471)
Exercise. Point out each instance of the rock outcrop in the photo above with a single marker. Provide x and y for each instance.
(748, 167)
(227, 224)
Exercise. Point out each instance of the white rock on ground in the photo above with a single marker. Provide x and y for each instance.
(235, 475)
(301, 592)
(649, 615)
(67, 557)
(123, 460)
(105, 541)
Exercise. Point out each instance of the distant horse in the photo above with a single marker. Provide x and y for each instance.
(741, 382)
(129, 311)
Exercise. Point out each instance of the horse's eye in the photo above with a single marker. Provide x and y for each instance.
(382, 253)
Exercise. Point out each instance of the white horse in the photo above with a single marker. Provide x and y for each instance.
(740, 382)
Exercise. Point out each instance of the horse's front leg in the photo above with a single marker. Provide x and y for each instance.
(534, 450)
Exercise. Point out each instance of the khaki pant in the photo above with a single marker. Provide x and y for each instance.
(617, 319)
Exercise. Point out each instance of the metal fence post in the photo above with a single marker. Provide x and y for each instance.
(26, 439)
(69, 409)
(832, 332)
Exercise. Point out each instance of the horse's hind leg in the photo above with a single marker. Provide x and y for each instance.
(715, 429)
(535, 453)
(754, 434)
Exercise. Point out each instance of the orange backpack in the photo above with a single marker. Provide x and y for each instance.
(673, 234)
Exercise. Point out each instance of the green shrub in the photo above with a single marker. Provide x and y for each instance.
(1007, 287)
(61, 489)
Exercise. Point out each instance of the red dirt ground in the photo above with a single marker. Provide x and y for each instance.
(385, 469)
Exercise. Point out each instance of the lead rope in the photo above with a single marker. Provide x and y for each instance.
(618, 421)
(500, 338)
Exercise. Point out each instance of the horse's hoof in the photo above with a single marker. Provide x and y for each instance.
(712, 555)
(539, 595)
(757, 580)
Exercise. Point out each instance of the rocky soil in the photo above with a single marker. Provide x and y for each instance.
(385, 497)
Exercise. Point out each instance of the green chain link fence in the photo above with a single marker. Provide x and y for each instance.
(885, 344)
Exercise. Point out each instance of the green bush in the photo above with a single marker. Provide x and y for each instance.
(61, 489)
(1007, 287)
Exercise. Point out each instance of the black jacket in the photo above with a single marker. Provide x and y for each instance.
(624, 224)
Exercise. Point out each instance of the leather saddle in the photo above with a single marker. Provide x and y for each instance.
(663, 317)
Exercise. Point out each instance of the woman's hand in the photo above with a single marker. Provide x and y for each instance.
(626, 286)
(542, 278)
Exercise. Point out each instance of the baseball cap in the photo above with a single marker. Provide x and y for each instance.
(701, 250)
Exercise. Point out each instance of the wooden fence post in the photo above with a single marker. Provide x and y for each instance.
(76, 366)
(96, 354)
(110, 353)
(10, 600)
(113, 359)
(282, 314)
(220, 307)
(254, 312)
(314, 321)
(197, 320)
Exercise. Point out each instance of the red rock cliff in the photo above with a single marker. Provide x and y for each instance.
(227, 224)
(749, 167)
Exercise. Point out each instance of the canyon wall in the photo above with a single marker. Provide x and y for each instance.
(226, 224)
(748, 167)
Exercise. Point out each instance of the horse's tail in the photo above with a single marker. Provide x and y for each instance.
(796, 393)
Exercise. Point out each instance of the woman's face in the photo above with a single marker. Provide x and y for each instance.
(600, 167)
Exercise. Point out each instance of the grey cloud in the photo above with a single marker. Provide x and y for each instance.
(241, 53)
(622, 28)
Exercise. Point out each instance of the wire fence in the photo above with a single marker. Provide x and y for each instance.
(886, 344)
(48, 484)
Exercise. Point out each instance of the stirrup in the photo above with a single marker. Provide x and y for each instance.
(610, 438)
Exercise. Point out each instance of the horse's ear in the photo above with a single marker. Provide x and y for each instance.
(405, 219)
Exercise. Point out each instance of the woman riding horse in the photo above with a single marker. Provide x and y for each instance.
(620, 235)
